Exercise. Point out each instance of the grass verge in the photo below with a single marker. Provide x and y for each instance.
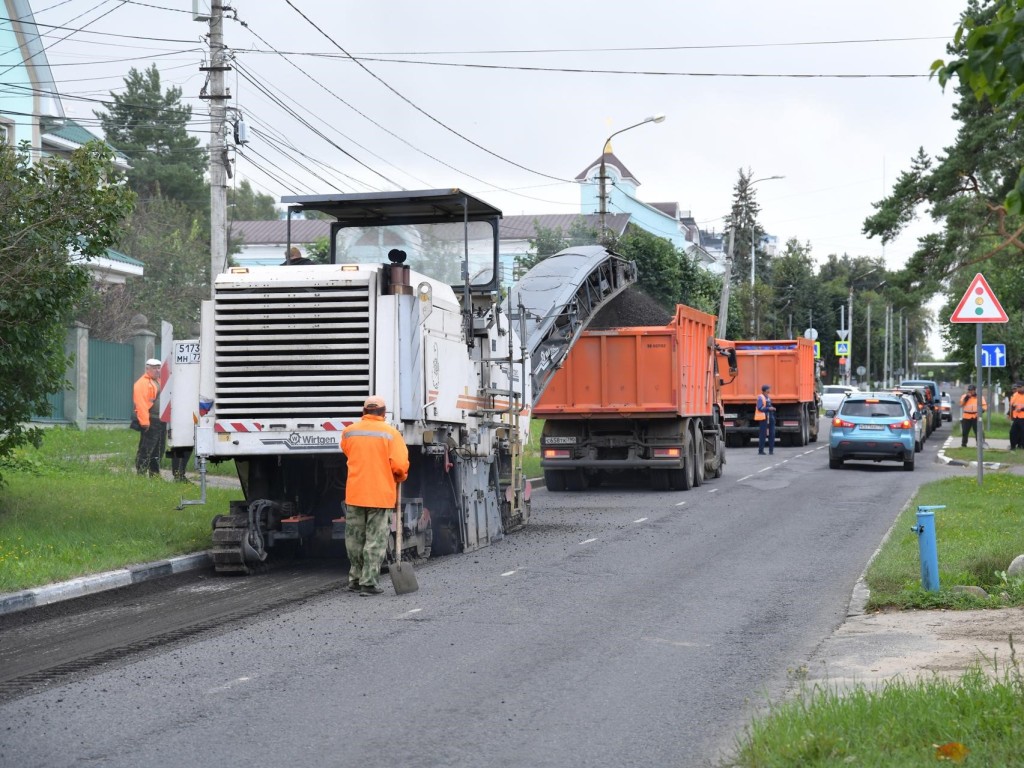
(977, 720)
(76, 507)
(977, 535)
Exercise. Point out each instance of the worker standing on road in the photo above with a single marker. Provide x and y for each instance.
(1016, 414)
(969, 413)
(378, 460)
(764, 415)
(146, 402)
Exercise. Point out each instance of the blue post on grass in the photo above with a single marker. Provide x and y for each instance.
(925, 530)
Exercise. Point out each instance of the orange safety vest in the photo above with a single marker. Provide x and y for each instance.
(144, 394)
(378, 460)
(1017, 405)
(760, 415)
(970, 406)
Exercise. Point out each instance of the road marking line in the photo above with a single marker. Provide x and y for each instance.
(763, 470)
(588, 541)
(640, 520)
(744, 478)
(712, 490)
(680, 503)
(415, 610)
(508, 573)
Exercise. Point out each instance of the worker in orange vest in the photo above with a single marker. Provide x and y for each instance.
(764, 415)
(1016, 414)
(146, 404)
(377, 460)
(969, 413)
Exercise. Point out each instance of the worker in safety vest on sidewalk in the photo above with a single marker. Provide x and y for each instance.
(378, 460)
(1016, 414)
(969, 413)
(146, 405)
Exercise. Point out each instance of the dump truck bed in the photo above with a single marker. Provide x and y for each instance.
(787, 365)
(653, 371)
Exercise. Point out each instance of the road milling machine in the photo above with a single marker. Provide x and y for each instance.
(408, 306)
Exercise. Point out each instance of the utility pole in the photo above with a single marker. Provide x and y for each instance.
(723, 302)
(217, 95)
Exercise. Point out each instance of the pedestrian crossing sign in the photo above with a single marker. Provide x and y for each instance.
(842, 348)
(817, 350)
(979, 305)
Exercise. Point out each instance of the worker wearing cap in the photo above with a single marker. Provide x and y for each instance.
(1016, 408)
(969, 413)
(764, 416)
(378, 461)
(146, 402)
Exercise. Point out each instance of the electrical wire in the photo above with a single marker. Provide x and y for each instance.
(417, 107)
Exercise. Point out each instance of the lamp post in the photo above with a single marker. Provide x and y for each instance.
(603, 199)
(753, 248)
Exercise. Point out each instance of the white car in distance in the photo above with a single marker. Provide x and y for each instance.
(832, 395)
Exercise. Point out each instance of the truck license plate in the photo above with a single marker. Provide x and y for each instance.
(560, 441)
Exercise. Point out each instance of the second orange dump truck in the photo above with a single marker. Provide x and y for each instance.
(788, 366)
(640, 399)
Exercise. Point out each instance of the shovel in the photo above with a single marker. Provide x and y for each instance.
(403, 579)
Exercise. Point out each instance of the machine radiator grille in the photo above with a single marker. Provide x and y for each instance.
(288, 353)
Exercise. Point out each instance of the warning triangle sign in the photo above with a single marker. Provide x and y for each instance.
(979, 305)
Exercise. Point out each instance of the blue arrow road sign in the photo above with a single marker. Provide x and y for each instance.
(993, 355)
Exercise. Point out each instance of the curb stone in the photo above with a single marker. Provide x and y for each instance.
(36, 597)
(101, 582)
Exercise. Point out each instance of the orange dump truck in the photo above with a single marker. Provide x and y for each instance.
(788, 366)
(637, 399)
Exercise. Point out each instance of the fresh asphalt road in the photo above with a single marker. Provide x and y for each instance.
(622, 627)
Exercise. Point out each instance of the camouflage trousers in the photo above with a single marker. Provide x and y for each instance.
(366, 541)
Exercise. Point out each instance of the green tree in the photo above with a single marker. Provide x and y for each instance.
(549, 241)
(151, 127)
(658, 263)
(246, 204)
(748, 232)
(48, 210)
(170, 239)
(987, 57)
(968, 191)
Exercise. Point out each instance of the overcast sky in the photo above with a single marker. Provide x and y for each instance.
(517, 129)
(839, 141)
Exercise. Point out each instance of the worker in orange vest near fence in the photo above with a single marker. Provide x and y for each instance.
(969, 413)
(1016, 415)
(146, 405)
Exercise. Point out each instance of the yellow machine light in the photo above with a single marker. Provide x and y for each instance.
(239, 270)
(350, 268)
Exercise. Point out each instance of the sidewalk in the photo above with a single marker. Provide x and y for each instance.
(992, 443)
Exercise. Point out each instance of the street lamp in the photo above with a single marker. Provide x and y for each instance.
(659, 118)
(753, 249)
(849, 324)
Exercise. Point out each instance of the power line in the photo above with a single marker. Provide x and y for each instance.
(416, 106)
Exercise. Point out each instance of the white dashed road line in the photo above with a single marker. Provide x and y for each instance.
(588, 541)
(680, 503)
(640, 520)
(508, 573)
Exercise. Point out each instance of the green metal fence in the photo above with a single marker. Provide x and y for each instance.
(110, 381)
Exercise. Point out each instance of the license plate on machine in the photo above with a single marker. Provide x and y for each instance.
(877, 427)
(559, 441)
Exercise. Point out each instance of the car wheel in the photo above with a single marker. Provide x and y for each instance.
(918, 446)
(835, 463)
(908, 466)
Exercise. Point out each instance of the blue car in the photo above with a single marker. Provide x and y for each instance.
(874, 426)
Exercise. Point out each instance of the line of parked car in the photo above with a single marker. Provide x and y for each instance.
(890, 425)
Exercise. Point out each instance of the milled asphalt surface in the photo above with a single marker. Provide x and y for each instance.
(865, 648)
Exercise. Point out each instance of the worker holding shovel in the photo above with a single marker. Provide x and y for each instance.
(378, 460)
